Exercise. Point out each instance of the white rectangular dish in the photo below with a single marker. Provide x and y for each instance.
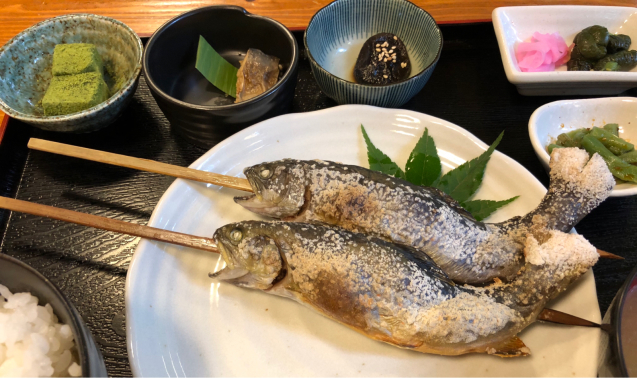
(555, 118)
(516, 24)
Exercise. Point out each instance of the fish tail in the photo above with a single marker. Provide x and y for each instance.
(578, 185)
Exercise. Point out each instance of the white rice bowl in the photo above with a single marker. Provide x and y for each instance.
(32, 342)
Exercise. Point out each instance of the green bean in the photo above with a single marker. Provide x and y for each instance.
(617, 166)
(612, 128)
(615, 144)
(629, 157)
(566, 141)
(552, 146)
(575, 133)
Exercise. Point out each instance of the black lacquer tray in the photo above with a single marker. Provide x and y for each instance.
(468, 88)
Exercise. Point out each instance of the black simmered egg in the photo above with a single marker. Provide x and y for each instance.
(383, 60)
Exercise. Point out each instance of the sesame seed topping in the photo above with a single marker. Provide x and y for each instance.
(403, 64)
(393, 47)
(377, 49)
(380, 56)
(377, 45)
(391, 51)
(396, 38)
(385, 76)
(386, 59)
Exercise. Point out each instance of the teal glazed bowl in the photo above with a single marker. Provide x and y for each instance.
(337, 32)
(25, 70)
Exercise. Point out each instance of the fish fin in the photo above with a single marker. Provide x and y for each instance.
(513, 347)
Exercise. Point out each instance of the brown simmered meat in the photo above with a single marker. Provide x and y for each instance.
(258, 73)
(383, 60)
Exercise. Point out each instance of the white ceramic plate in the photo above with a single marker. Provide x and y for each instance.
(516, 24)
(555, 118)
(180, 323)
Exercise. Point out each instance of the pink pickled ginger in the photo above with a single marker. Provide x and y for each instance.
(542, 53)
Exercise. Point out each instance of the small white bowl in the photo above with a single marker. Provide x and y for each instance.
(555, 118)
(516, 24)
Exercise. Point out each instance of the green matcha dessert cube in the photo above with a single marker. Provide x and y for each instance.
(75, 58)
(73, 93)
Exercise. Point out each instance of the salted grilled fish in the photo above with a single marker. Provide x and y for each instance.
(469, 251)
(393, 293)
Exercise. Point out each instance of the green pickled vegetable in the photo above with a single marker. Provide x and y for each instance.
(612, 128)
(552, 146)
(629, 157)
(625, 59)
(611, 66)
(578, 62)
(615, 144)
(592, 42)
(617, 166)
(617, 43)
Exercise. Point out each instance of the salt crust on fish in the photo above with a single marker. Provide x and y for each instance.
(467, 250)
(380, 289)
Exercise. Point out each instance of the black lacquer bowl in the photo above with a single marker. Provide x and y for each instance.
(187, 99)
(618, 352)
(19, 277)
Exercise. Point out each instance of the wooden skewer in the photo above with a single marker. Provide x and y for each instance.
(163, 168)
(197, 242)
(152, 233)
(608, 255)
(559, 317)
(140, 164)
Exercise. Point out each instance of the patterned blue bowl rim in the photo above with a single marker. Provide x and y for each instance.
(81, 114)
(282, 80)
(413, 78)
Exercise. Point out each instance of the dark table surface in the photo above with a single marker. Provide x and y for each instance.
(468, 88)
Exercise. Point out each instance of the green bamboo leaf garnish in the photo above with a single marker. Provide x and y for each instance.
(481, 209)
(423, 166)
(216, 69)
(380, 162)
(463, 181)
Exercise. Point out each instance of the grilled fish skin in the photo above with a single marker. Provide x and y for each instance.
(388, 293)
(469, 251)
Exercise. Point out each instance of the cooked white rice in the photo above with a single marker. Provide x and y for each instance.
(32, 342)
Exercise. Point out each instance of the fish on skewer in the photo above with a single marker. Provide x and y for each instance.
(394, 293)
(469, 251)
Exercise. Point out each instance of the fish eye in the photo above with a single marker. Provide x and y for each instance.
(265, 173)
(236, 235)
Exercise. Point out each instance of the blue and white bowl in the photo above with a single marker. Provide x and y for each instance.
(336, 33)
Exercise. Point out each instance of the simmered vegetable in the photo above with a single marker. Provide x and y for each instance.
(617, 152)
(615, 144)
(553, 146)
(613, 128)
(617, 166)
(629, 157)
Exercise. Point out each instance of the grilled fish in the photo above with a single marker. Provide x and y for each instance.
(394, 293)
(427, 219)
